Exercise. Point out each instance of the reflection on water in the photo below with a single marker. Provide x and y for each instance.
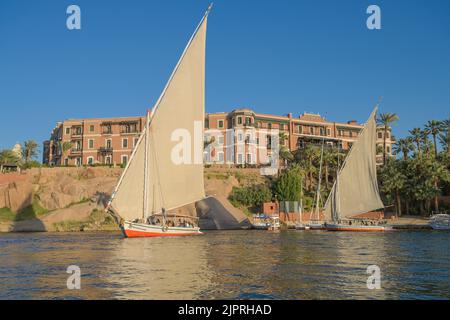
(227, 265)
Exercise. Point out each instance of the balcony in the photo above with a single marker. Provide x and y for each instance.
(105, 150)
(76, 151)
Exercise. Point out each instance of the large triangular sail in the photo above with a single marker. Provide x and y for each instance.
(153, 179)
(356, 188)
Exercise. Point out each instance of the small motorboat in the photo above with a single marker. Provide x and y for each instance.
(356, 227)
(265, 222)
(301, 226)
(440, 222)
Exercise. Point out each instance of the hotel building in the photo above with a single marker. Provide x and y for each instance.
(237, 134)
(93, 141)
(244, 127)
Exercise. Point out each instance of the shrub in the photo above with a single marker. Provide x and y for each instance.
(251, 196)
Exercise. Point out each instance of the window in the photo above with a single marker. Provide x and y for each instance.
(248, 121)
(78, 146)
(322, 131)
(341, 133)
(91, 144)
(220, 156)
(239, 120)
(108, 160)
(299, 129)
(90, 161)
(328, 132)
(311, 130)
(68, 130)
(91, 128)
(220, 124)
(350, 133)
(108, 143)
(221, 140)
(387, 135)
(380, 135)
(240, 137)
(107, 129)
(388, 149)
(240, 158)
(79, 162)
(269, 125)
(124, 160)
(249, 158)
(124, 143)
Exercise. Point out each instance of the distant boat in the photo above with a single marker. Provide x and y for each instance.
(265, 222)
(355, 190)
(440, 222)
(152, 184)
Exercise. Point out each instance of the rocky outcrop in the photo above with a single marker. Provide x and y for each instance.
(16, 195)
(72, 194)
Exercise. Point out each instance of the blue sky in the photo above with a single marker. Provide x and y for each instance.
(273, 56)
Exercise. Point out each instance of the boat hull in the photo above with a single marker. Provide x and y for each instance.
(316, 226)
(140, 230)
(439, 227)
(355, 228)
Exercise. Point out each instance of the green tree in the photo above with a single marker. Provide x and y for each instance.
(386, 120)
(29, 150)
(416, 136)
(288, 187)
(64, 147)
(393, 181)
(404, 145)
(434, 127)
(8, 157)
(444, 137)
(422, 177)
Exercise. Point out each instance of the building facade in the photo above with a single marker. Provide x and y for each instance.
(244, 128)
(237, 136)
(93, 141)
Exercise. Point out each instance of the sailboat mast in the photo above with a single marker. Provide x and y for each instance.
(319, 183)
(146, 178)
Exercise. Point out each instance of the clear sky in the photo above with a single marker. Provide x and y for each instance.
(273, 56)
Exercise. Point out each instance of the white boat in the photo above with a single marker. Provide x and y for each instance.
(157, 180)
(440, 222)
(355, 190)
(265, 222)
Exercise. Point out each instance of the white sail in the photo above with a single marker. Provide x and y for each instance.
(181, 105)
(356, 188)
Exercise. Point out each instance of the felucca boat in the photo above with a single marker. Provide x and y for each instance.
(153, 183)
(355, 190)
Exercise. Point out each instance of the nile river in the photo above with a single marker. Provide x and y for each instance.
(227, 265)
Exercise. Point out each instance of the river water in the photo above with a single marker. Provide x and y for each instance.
(227, 265)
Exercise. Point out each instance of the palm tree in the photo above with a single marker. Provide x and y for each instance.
(416, 135)
(29, 150)
(404, 145)
(386, 119)
(444, 137)
(64, 147)
(425, 141)
(434, 127)
(8, 157)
